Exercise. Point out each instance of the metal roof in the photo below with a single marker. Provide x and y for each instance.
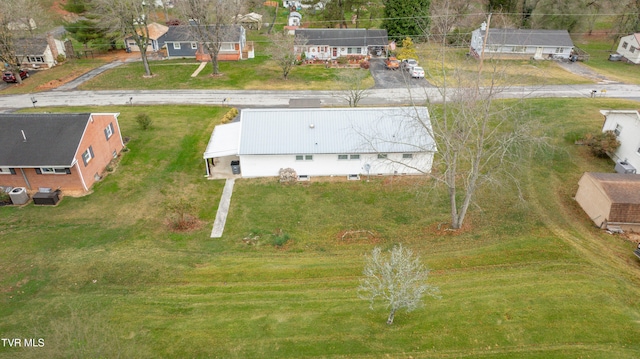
(224, 141)
(335, 130)
(528, 37)
(50, 140)
(343, 37)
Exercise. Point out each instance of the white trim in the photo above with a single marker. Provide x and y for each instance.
(84, 185)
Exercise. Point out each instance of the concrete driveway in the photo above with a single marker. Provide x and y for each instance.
(388, 79)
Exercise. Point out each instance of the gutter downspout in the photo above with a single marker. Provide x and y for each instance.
(26, 181)
(84, 185)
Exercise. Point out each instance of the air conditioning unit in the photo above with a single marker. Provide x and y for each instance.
(19, 195)
(625, 167)
(353, 177)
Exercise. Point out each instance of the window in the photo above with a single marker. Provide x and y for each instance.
(176, 46)
(7, 171)
(304, 157)
(518, 49)
(194, 45)
(53, 170)
(638, 150)
(625, 44)
(618, 130)
(382, 156)
(299, 158)
(39, 59)
(354, 157)
(407, 155)
(632, 49)
(343, 157)
(108, 132)
(87, 155)
(227, 46)
(559, 50)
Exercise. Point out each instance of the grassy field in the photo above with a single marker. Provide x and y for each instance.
(103, 276)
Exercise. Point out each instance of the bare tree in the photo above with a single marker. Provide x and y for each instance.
(211, 24)
(447, 15)
(128, 17)
(479, 140)
(353, 86)
(282, 51)
(398, 279)
(19, 20)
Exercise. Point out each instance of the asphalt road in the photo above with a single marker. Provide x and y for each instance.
(253, 98)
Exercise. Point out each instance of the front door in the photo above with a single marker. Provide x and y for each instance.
(335, 52)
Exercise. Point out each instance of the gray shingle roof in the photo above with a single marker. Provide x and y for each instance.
(52, 139)
(334, 130)
(528, 37)
(33, 46)
(182, 33)
(344, 37)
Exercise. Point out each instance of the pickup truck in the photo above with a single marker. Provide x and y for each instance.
(392, 63)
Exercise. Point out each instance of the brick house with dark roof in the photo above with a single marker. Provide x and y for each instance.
(326, 44)
(611, 199)
(60, 151)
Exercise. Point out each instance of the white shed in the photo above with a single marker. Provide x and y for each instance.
(327, 141)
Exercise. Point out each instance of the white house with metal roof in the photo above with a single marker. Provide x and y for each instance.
(325, 142)
(521, 43)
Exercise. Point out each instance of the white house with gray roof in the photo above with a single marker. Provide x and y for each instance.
(326, 44)
(325, 141)
(521, 43)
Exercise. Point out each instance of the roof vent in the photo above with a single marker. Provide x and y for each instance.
(24, 137)
(311, 125)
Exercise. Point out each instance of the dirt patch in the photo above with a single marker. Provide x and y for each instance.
(444, 228)
(358, 236)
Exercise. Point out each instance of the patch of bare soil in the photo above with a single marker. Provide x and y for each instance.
(358, 236)
(444, 228)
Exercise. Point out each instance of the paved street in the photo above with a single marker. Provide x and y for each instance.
(239, 98)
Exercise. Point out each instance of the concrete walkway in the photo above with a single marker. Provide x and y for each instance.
(87, 76)
(197, 71)
(223, 209)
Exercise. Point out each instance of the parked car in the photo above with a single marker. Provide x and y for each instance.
(8, 76)
(615, 57)
(417, 72)
(392, 63)
(408, 64)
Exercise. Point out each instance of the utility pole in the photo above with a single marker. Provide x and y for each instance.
(484, 44)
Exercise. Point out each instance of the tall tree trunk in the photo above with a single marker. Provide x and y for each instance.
(391, 316)
(145, 63)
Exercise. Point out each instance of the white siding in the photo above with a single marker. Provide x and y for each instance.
(631, 41)
(629, 135)
(328, 165)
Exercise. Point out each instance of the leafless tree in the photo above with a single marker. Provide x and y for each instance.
(447, 15)
(353, 86)
(128, 17)
(211, 24)
(19, 20)
(398, 279)
(282, 51)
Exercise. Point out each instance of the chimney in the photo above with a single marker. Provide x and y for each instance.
(52, 46)
(483, 26)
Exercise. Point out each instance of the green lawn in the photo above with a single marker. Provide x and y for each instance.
(102, 276)
(599, 50)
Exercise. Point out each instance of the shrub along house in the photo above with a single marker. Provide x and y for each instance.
(59, 151)
(180, 42)
(521, 43)
(329, 44)
(325, 142)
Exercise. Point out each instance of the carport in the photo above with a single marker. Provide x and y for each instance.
(221, 150)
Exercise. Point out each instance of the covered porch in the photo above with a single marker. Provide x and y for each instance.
(221, 156)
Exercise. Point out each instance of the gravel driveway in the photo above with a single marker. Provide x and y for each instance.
(387, 79)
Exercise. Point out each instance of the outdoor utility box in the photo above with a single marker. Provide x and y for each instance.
(19, 195)
(235, 167)
(47, 198)
(625, 167)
